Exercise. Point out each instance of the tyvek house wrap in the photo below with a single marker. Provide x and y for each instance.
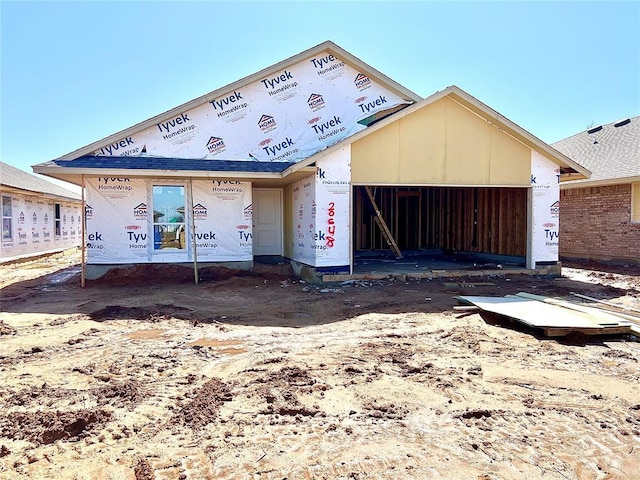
(123, 232)
(288, 116)
(545, 185)
(321, 212)
(33, 226)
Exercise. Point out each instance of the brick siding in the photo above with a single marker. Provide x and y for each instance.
(595, 223)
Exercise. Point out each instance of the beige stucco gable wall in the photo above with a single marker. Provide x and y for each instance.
(442, 143)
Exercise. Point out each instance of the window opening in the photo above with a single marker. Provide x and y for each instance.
(56, 216)
(6, 218)
(168, 217)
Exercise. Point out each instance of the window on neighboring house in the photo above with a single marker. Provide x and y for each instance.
(168, 216)
(635, 202)
(56, 221)
(6, 218)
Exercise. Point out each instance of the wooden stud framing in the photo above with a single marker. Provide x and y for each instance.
(382, 224)
(443, 218)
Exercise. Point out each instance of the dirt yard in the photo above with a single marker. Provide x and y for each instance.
(259, 375)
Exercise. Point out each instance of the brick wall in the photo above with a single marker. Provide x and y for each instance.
(595, 222)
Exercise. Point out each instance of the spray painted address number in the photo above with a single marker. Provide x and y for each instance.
(331, 230)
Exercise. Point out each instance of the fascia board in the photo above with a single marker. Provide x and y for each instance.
(32, 193)
(371, 72)
(304, 165)
(328, 45)
(74, 175)
(456, 185)
(569, 185)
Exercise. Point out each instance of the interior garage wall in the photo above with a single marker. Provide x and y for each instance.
(442, 143)
(486, 220)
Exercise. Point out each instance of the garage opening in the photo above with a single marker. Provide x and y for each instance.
(444, 223)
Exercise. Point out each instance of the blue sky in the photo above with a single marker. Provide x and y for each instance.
(75, 72)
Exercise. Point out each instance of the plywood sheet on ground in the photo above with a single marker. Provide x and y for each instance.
(543, 315)
(603, 317)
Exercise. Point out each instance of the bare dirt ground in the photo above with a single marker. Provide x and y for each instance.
(259, 375)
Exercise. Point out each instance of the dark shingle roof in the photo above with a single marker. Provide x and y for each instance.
(610, 151)
(161, 163)
(16, 178)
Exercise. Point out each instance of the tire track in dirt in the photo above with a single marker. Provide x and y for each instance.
(402, 394)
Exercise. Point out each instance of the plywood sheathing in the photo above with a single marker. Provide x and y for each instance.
(554, 318)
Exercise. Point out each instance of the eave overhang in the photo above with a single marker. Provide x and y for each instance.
(21, 191)
(598, 183)
(259, 179)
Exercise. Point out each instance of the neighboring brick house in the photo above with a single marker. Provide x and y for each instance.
(600, 216)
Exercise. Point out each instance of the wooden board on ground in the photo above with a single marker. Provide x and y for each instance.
(554, 320)
(603, 317)
(634, 312)
(603, 310)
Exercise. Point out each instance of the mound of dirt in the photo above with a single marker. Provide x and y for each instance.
(43, 427)
(120, 395)
(6, 329)
(143, 470)
(158, 312)
(145, 274)
(203, 409)
(157, 274)
(117, 395)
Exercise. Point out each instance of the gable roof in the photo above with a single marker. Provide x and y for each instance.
(567, 165)
(275, 176)
(611, 152)
(164, 166)
(328, 46)
(17, 180)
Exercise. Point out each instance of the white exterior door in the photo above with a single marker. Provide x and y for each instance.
(267, 221)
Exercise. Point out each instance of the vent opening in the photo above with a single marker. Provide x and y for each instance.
(595, 129)
(622, 122)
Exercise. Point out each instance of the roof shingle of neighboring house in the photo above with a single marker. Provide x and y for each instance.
(16, 178)
(611, 151)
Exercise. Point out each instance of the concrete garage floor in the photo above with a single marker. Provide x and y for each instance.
(376, 265)
(437, 263)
